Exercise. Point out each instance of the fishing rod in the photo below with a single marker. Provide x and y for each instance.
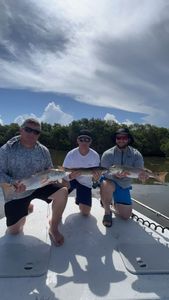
(157, 213)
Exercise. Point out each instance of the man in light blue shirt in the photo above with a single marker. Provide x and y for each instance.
(119, 185)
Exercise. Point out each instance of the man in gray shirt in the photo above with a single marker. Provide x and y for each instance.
(21, 157)
(119, 185)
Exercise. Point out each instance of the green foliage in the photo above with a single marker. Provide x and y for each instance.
(165, 148)
(149, 140)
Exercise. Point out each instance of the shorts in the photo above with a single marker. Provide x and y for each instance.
(120, 195)
(18, 208)
(83, 193)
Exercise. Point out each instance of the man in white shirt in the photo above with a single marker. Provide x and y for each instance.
(82, 157)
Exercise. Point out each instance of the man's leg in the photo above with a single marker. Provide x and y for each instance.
(84, 209)
(123, 210)
(106, 190)
(16, 212)
(59, 200)
(17, 227)
(123, 202)
(84, 199)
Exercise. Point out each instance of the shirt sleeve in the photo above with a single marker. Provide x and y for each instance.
(139, 160)
(67, 163)
(47, 157)
(4, 177)
(106, 160)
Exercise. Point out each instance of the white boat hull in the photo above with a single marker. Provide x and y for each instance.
(90, 264)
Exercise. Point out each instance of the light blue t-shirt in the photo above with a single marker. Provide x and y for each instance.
(130, 157)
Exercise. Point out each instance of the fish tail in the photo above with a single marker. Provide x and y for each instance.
(161, 176)
(8, 189)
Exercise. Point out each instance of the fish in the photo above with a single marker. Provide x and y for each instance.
(132, 172)
(86, 171)
(35, 181)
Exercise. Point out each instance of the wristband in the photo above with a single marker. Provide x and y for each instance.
(95, 184)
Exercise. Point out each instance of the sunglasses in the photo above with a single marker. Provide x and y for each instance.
(84, 139)
(122, 137)
(31, 130)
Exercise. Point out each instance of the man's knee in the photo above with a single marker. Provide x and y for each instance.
(16, 228)
(107, 188)
(124, 211)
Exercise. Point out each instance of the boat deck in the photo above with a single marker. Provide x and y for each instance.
(127, 261)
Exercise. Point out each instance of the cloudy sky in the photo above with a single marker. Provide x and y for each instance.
(64, 60)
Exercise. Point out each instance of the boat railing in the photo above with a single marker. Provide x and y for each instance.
(146, 222)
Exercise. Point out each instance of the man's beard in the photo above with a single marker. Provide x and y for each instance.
(122, 147)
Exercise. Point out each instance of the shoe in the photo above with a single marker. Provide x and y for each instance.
(107, 220)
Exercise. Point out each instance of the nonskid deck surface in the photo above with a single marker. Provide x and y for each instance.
(95, 262)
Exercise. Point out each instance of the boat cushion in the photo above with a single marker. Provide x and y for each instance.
(23, 256)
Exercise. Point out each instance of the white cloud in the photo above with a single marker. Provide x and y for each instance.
(21, 118)
(111, 117)
(1, 121)
(127, 122)
(52, 114)
(109, 53)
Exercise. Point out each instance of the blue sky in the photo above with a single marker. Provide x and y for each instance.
(84, 59)
(52, 108)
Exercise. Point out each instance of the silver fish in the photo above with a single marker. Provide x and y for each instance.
(43, 178)
(86, 171)
(35, 181)
(132, 172)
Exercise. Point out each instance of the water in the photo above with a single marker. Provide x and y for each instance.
(153, 195)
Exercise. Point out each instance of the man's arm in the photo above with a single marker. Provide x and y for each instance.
(4, 177)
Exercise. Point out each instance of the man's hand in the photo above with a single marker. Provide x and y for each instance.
(74, 174)
(96, 175)
(19, 187)
(122, 174)
(143, 176)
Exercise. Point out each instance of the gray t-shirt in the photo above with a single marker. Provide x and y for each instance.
(18, 162)
(128, 157)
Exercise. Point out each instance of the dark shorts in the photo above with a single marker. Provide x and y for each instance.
(83, 193)
(18, 208)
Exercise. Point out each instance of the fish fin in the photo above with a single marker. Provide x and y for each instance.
(59, 180)
(161, 176)
(44, 180)
(8, 189)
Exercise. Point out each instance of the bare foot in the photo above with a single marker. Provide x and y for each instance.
(30, 208)
(56, 237)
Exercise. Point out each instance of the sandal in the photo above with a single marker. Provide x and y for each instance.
(107, 220)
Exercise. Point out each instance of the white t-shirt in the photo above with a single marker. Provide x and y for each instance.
(74, 159)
